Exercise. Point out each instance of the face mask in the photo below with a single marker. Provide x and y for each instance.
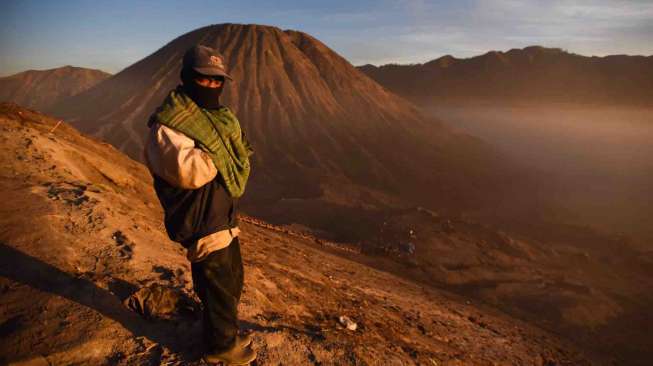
(204, 97)
(208, 98)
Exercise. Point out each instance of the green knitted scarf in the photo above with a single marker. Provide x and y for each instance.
(216, 131)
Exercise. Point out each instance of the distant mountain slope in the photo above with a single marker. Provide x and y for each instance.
(40, 89)
(80, 230)
(534, 74)
(323, 132)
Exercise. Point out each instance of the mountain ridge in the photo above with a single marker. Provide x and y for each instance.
(40, 89)
(534, 73)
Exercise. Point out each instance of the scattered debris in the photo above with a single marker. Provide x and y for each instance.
(346, 322)
(126, 247)
(55, 126)
(71, 193)
(165, 274)
(119, 237)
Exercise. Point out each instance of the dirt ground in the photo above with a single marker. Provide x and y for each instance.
(81, 230)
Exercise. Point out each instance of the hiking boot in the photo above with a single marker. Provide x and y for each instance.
(238, 354)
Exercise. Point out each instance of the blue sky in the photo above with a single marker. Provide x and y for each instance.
(111, 35)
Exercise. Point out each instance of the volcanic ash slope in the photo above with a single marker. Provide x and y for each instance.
(81, 230)
(323, 132)
(41, 89)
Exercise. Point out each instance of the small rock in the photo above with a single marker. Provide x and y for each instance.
(346, 322)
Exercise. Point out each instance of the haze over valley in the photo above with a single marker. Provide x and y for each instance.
(594, 162)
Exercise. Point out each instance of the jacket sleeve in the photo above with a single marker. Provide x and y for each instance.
(173, 156)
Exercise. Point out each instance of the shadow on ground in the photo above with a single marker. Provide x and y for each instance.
(22, 268)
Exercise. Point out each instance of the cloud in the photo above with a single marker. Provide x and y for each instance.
(597, 27)
(467, 28)
(366, 31)
(610, 11)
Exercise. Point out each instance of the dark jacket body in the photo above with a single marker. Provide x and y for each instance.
(191, 214)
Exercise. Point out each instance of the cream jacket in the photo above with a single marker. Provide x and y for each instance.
(173, 156)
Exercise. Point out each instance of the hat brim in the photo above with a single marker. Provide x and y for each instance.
(212, 71)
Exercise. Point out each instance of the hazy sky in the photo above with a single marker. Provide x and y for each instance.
(111, 35)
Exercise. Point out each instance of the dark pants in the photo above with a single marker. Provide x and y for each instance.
(218, 281)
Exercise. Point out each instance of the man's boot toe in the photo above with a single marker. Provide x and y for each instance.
(236, 355)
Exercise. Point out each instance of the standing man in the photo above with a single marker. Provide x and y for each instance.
(199, 159)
